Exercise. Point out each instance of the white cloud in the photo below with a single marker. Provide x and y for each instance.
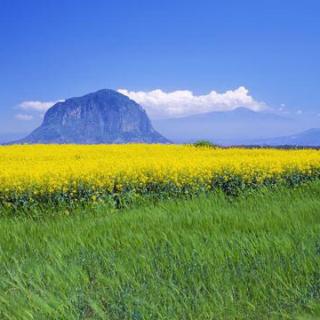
(160, 104)
(282, 107)
(24, 117)
(39, 106)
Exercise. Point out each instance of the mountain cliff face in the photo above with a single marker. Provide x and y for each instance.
(105, 116)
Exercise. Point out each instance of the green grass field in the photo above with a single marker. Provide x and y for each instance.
(253, 257)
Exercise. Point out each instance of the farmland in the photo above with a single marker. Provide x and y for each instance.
(254, 257)
(31, 175)
(159, 232)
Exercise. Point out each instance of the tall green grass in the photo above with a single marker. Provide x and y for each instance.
(252, 257)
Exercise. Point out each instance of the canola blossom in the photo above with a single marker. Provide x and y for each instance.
(92, 172)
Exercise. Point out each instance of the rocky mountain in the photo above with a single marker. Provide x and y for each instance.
(105, 116)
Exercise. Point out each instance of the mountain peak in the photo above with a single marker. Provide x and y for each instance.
(104, 116)
(100, 94)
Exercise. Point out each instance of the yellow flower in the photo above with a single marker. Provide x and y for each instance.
(48, 169)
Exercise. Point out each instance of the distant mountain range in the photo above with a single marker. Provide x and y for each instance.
(240, 126)
(105, 116)
(308, 138)
(7, 137)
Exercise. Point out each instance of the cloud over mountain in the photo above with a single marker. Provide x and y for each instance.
(161, 104)
(40, 106)
(24, 117)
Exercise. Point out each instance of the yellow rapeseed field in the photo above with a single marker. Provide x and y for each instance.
(92, 171)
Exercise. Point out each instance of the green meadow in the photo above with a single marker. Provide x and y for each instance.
(256, 256)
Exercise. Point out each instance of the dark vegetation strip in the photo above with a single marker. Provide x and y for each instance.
(85, 195)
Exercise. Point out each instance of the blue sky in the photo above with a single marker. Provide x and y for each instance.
(54, 49)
